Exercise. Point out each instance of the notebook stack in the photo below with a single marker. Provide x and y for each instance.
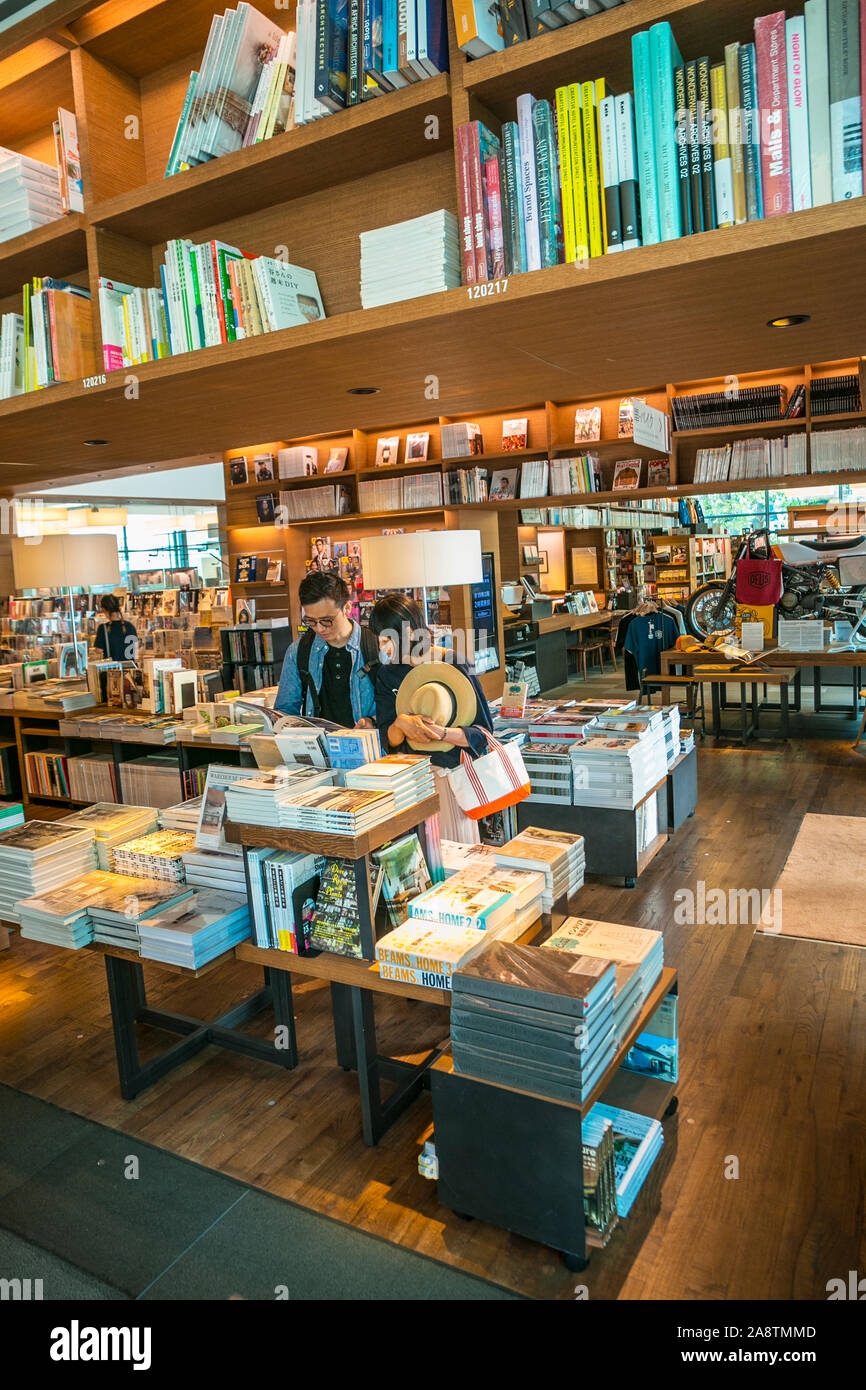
(409, 778)
(558, 854)
(337, 810)
(157, 855)
(350, 748)
(283, 886)
(539, 1021)
(196, 931)
(184, 816)
(638, 954)
(123, 902)
(41, 855)
(618, 769)
(212, 868)
(637, 1142)
(112, 825)
(260, 800)
(421, 953)
(29, 194)
(408, 259)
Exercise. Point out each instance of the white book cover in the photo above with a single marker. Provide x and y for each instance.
(609, 168)
(256, 39)
(222, 60)
(627, 158)
(798, 112)
(289, 293)
(529, 189)
(846, 131)
(188, 151)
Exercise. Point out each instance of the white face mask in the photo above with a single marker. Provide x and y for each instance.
(384, 656)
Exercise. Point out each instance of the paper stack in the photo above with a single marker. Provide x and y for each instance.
(638, 954)
(349, 748)
(409, 778)
(206, 925)
(184, 816)
(558, 854)
(260, 800)
(213, 868)
(121, 903)
(112, 825)
(29, 194)
(157, 855)
(40, 855)
(337, 810)
(408, 259)
(540, 1021)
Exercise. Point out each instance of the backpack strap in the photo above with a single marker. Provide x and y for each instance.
(305, 646)
(369, 653)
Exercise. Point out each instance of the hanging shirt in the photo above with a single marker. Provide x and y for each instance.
(648, 637)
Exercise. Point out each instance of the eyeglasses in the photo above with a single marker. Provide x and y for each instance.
(324, 623)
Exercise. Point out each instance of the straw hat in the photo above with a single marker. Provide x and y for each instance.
(441, 693)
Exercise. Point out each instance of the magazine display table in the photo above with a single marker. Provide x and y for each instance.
(128, 1002)
(682, 789)
(515, 1159)
(610, 833)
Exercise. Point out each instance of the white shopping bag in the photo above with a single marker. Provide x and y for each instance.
(492, 782)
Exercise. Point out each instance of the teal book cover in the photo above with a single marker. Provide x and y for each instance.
(645, 134)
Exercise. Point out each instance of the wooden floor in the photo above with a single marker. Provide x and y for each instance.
(773, 1073)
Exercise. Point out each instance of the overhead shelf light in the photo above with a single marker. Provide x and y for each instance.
(105, 516)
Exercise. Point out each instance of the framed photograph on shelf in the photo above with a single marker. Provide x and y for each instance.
(542, 562)
(417, 446)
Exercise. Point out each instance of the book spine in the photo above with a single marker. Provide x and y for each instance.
(542, 129)
(476, 181)
(529, 192)
(514, 23)
(627, 158)
(696, 201)
(798, 113)
(464, 189)
(645, 125)
(751, 133)
(609, 160)
(683, 132)
(589, 131)
(173, 164)
(773, 105)
(723, 166)
(735, 130)
(706, 137)
(578, 173)
(846, 127)
(513, 196)
(818, 85)
(353, 94)
(565, 182)
(493, 202)
(665, 56)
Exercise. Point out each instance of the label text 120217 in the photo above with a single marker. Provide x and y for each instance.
(486, 291)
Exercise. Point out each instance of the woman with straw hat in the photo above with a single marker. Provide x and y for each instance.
(427, 703)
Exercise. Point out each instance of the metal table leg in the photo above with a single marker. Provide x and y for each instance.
(717, 713)
(377, 1115)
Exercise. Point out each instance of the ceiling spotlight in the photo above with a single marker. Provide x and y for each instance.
(363, 391)
(789, 320)
(96, 443)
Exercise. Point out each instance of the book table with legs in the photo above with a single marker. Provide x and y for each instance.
(515, 1159)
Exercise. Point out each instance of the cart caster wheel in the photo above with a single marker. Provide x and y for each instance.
(630, 882)
(672, 1107)
(576, 1263)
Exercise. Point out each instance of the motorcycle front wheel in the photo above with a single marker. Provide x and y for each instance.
(702, 617)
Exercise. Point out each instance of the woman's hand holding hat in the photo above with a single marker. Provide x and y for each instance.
(419, 729)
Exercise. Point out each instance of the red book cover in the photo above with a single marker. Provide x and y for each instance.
(771, 62)
(467, 237)
(476, 180)
(493, 196)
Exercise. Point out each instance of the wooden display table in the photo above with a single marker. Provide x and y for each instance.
(610, 833)
(515, 1158)
(779, 657)
(781, 673)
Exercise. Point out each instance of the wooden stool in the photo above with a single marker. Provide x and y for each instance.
(694, 695)
(584, 649)
(862, 722)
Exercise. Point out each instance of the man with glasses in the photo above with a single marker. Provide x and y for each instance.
(329, 673)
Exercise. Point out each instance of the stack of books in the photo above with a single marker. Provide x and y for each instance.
(599, 1176)
(262, 800)
(408, 259)
(549, 768)
(558, 854)
(195, 932)
(157, 855)
(565, 724)
(408, 778)
(119, 904)
(456, 856)
(416, 491)
(337, 810)
(112, 825)
(184, 816)
(52, 340)
(637, 1142)
(41, 855)
(618, 769)
(837, 395)
(351, 748)
(540, 1021)
(150, 781)
(637, 953)
(93, 777)
(422, 953)
(59, 917)
(213, 868)
(29, 194)
(526, 889)
(283, 889)
(835, 451)
(312, 503)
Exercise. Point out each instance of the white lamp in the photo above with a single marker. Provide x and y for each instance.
(421, 559)
(60, 562)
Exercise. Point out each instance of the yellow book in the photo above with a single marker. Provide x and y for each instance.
(565, 183)
(578, 174)
(600, 94)
(734, 107)
(589, 122)
(127, 331)
(723, 174)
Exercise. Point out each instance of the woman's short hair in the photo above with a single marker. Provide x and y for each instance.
(109, 604)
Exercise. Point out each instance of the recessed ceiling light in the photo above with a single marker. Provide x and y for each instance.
(96, 443)
(363, 391)
(789, 320)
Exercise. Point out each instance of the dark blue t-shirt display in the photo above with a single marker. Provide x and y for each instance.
(649, 636)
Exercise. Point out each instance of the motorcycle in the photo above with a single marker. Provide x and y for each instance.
(812, 586)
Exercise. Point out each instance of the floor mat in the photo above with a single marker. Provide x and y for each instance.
(821, 886)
